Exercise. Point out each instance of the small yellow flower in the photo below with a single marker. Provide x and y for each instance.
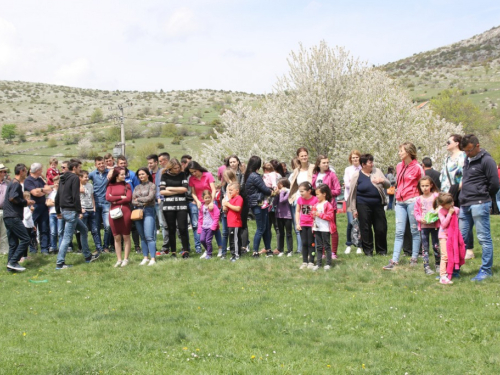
(24, 333)
(328, 366)
(363, 366)
(184, 348)
(197, 350)
(252, 357)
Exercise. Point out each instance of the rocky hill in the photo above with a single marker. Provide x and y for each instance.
(471, 65)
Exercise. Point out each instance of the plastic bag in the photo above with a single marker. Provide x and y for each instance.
(431, 217)
(356, 233)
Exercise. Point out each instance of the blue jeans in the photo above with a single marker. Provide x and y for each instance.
(348, 241)
(56, 227)
(404, 211)
(193, 217)
(391, 202)
(478, 215)
(42, 223)
(147, 230)
(102, 217)
(261, 219)
(71, 224)
(90, 220)
(297, 232)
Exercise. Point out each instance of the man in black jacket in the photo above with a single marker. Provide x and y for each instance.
(432, 173)
(479, 183)
(68, 207)
(13, 212)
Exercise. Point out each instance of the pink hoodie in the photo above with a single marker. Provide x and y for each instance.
(328, 216)
(215, 214)
(417, 212)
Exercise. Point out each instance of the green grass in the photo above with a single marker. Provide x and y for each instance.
(255, 316)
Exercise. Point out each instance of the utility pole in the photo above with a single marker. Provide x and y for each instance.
(120, 107)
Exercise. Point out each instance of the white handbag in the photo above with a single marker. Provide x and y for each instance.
(116, 213)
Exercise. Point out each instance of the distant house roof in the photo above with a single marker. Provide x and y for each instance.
(422, 105)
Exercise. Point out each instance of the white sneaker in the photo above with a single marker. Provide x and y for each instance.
(144, 261)
(310, 266)
(303, 266)
(124, 262)
(204, 255)
(118, 264)
(315, 268)
(152, 262)
(327, 267)
(359, 251)
(219, 254)
(347, 250)
(280, 254)
(289, 254)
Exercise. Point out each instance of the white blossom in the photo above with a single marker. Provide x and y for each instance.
(330, 103)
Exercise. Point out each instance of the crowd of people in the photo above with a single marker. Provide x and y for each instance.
(168, 196)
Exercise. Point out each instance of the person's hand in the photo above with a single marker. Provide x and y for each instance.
(423, 221)
(211, 206)
(123, 197)
(299, 228)
(198, 204)
(81, 216)
(31, 202)
(83, 210)
(451, 210)
(59, 216)
(82, 189)
(355, 214)
(32, 209)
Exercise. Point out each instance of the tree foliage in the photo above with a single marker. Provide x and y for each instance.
(330, 103)
(455, 107)
(96, 116)
(9, 131)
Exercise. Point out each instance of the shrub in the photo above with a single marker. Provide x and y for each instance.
(52, 143)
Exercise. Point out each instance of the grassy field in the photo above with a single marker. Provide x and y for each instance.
(249, 317)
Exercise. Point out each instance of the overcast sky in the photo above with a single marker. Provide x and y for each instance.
(238, 45)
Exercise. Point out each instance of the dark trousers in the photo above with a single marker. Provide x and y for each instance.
(407, 239)
(18, 239)
(323, 246)
(285, 225)
(307, 237)
(177, 219)
(372, 216)
(135, 236)
(244, 221)
(234, 237)
(42, 223)
(33, 243)
(424, 237)
(273, 223)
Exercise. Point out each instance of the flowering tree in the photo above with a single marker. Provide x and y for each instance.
(330, 103)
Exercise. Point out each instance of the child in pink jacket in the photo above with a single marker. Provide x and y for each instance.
(324, 225)
(208, 223)
(450, 238)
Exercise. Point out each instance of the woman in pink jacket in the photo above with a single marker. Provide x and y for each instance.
(322, 174)
(408, 174)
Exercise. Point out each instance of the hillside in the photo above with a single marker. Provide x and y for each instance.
(52, 119)
(471, 65)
